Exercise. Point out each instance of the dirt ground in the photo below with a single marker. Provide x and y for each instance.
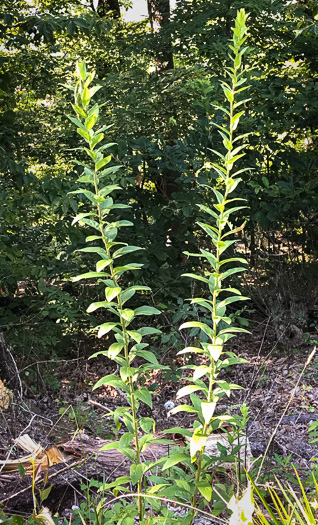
(277, 408)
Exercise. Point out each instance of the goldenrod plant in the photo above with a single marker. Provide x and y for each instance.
(222, 266)
(97, 187)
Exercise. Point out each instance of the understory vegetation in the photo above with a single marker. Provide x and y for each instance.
(158, 243)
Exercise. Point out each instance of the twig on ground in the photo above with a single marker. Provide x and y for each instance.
(311, 355)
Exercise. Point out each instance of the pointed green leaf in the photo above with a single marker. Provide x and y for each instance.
(105, 328)
(174, 459)
(125, 250)
(100, 265)
(144, 395)
(96, 139)
(189, 389)
(194, 276)
(196, 324)
(215, 351)
(201, 371)
(89, 275)
(127, 314)
(232, 299)
(102, 162)
(208, 410)
(231, 271)
(135, 335)
(95, 249)
(114, 350)
(191, 349)
(182, 408)
(111, 380)
(205, 489)
(94, 306)
(112, 292)
(136, 472)
(147, 310)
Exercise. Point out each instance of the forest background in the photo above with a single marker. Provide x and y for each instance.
(160, 89)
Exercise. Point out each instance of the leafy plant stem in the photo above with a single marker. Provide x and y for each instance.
(217, 288)
(126, 350)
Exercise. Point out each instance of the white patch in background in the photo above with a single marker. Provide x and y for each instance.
(139, 12)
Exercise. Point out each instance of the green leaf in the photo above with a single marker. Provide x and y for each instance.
(114, 350)
(205, 489)
(111, 380)
(206, 304)
(79, 110)
(230, 300)
(194, 276)
(197, 443)
(89, 275)
(201, 371)
(146, 424)
(127, 314)
(144, 395)
(21, 470)
(95, 249)
(94, 306)
(231, 271)
(102, 162)
(189, 389)
(126, 372)
(135, 335)
(91, 121)
(137, 471)
(229, 94)
(196, 324)
(147, 330)
(219, 196)
(81, 215)
(210, 230)
(234, 259)
(182, 408)
(122, 480)
(130, 292)
(120, 224)
(208, 410)
(209, 211)
(111, 293)
(108, 171)
(174, 459)
(96, 139)
(89, 194)
(179, 430)
(191, 349)
(84, 134)
(105, 328)
(215, 351)
(233, 330)
(125, 250)
(81, 69)
(129, 266)
(146, 310)
(44, 494)
(100, 265)
(148, 356)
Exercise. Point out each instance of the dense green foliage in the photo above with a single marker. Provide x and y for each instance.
(163, 126)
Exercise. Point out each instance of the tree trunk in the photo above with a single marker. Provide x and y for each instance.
(159, 16)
